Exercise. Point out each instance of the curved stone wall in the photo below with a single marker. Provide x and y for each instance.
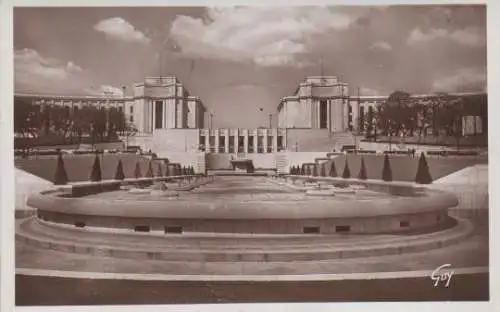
(419, 208)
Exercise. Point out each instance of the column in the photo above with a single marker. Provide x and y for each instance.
(207, 141)
(153, 120)
(236, 140)
(275, 140)
(164, 113)
(216, 141)
(245, 141)
(265, 139)
(226, 141)
(256, 142)
(355, 115)
(318, 117)
(328, 115)
(346, 115)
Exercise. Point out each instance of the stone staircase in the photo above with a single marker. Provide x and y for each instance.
(327, 143)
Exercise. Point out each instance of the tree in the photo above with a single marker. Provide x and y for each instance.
(347, 172)
(424, 119)
(449, 118)
(315, 170)
(26, 118)
(308, 170)
(119, 175)
(386, 171)
(96, 174)
(333, 170)
(362, 171)
(423, 174)
(137, 171)
(60, 177)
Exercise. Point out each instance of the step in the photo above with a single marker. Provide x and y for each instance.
(114, 246)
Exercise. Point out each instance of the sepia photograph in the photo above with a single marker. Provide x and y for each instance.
(250, 154)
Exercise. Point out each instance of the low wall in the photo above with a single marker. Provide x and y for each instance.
(382, 146)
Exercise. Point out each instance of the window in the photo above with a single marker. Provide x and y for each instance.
(131, 109)
(260, 144)
(404, 224)
(158, 114)
(342, 228)
(323, 114)
(269, 144)
(79, 224)
(131, 119)
(173, 229)
(212, 143)
(241, 144)
(202, 143)
(280, 142)
(231, 144)
(250, 144)
(222, 144)
(310, 229)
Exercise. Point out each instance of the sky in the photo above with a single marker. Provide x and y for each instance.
(241, 60)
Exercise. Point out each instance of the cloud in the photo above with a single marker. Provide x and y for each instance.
(368, 91)
(33, 71)
(471, 36)
(104, 90)
(381, 46)
(264, 35)
(465, 79)
(118, 28)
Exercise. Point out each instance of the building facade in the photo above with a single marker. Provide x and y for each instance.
(318, 103)
(154, 104)
(321, 114)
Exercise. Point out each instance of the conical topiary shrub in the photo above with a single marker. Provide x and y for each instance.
(347, 172)
(322, 172)
(333, 170)
(386, 171)
(315, 170)
(362, 171)
(96, 174)
(119, 175)
(159, 173)
(60, 177)
(423, 174)
(149, 173)
(302, 170)
(137, 171)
